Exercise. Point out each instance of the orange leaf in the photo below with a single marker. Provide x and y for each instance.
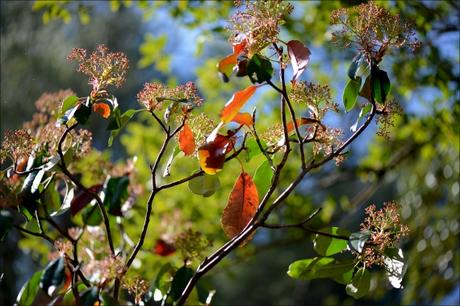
(243, 118)
(212, 154)
(102, 108)
(237, 101)
(225, 66)
(300, 121)
(241, 207)
(239, 47)
(186, 140)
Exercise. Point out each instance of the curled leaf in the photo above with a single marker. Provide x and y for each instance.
(102, 109)
(82, 198)
(186, 140)
(225, 66)
(241, 207)
(237, 101)
(300, 121)
(244, 119)
(300, 56)
(212, 154)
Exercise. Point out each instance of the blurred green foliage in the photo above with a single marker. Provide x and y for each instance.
(418, 166)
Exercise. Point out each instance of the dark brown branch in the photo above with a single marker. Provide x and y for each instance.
(95, 196)
(42, 235)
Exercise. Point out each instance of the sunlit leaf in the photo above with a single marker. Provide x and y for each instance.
(350, 93)
(68, 103)
(327, 246)
(300, 121)
(263, 177)
(319, 267)
(205, 185)
(243, 118)
(300, 56)
(241, 207)
(29, 290)
(186, 140)
(212, 154)
(225, 66)
(163, 248)
(102, 109)
(360, 284)
(82, 198)
(395, 266)
(358, 240)
(237, 101)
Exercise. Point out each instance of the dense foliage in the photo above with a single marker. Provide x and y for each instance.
(146, 229)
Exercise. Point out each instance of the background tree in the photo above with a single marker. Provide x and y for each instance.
(417, 162)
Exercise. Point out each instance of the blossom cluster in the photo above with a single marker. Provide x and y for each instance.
(373, 29)
(103, 68)
(153, 94)
(316, 97)
(259, 23)
(385, 229)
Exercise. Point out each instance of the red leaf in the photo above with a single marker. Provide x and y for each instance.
(164, 248)
(81, 199)
(212, 154)
(102, 109)
(299, 55)
(237, 101)
(241, 207)
(243, 118)
(186, 140)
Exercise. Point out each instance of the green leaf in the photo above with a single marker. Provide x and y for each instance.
(346, 277)
(6, 223)
(357, 240)
(116, 193)
(205, 185)
(181, 278)
(350, 93)
(53, 276)
(119, 122)
(68, 103)
(171, 158)
(263, 178)
(259, 69)
(91, 215)
(327, 246)
(82, 113)
(107, 299)
(162, 280)
(252, 148)
(29, 291)
(380, 85)
(89, 296)
(360, 284)
(319, 267)
(115, 120)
